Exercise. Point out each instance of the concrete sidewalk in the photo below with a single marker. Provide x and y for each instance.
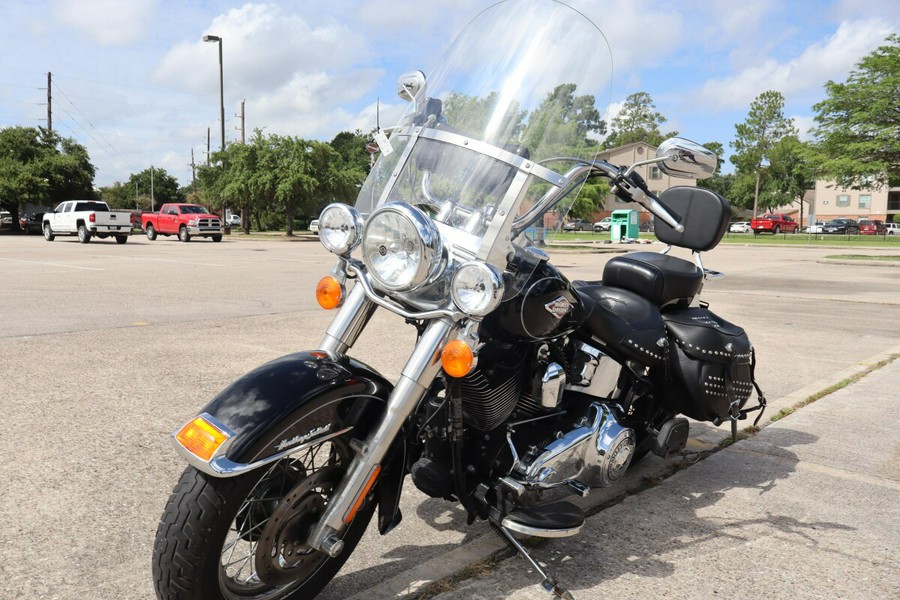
(807, 508)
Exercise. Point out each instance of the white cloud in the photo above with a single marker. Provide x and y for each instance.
(831, 58)
(804, 123)
(106, 22)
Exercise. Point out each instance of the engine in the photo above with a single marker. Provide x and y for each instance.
(596, 452)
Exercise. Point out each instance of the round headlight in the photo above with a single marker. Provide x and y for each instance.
(339, 228)
(401, 247)
(477, 288)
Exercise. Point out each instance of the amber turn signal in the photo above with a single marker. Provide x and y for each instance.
(457, 358)
(200, 438)
(329, 292)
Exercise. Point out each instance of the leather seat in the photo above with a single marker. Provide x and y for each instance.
(659, 278)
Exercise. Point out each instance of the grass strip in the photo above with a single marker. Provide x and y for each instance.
(863, 257)
(832, 388)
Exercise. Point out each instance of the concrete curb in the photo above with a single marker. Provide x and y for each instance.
(704, 437)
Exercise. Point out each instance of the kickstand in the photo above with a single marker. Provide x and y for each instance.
(549, 582)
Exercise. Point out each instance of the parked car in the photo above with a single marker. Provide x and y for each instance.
(892, 228)
(578, 225)
(774, 224)
(31, 223)
(603, 224)
(848, 226)
(817, 227)
(740, 227)
(872, 227)
(233, 220)
(86, 219)
(314, 226)
(184, 220)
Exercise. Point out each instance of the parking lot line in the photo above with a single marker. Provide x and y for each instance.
(35, 262)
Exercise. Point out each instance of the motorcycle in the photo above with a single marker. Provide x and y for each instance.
(522, 386)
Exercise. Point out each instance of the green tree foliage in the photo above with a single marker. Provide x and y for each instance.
(718, 183)
(790, 171)
(858, 129)
(164, 188)
(562, 125)
(41, 167)
(755, 138)
(278, 179)
(638, 121)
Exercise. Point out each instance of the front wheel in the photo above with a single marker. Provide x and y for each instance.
(183, 234)
(244, 538)
(777, 230)
(217, 238)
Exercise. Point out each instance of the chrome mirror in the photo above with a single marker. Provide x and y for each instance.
(409, 84)
(686, 159)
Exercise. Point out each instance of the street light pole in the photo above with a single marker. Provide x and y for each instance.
(215, 38)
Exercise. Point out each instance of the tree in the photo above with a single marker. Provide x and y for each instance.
(41, 167)
(164, 188)
(858, 129)
(790, 171)
(562, 124)
(757, 135)
(638, 121)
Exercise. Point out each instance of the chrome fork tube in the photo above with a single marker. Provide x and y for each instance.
(349, 322)
(418, 374)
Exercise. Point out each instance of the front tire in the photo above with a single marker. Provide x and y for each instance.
(217, 238)
(84, 236)
(183, 234)
(217, 534)
(48, 232)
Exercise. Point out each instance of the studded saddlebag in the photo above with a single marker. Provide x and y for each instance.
(710, 365)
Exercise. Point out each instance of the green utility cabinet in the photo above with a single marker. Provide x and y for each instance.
(624, 224)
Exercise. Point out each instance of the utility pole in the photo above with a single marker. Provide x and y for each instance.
(152, 201)
(207, 146)
(242, 127)
(193, 168)
(49, 101)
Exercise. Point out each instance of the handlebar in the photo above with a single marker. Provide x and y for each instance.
(626, 186)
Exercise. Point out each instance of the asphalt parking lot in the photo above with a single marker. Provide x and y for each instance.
(105, 349)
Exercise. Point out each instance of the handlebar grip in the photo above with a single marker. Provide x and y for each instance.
(664, 212)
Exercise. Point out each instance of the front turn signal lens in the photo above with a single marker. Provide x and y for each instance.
(329, 293)
(200, 438)
(457, 358)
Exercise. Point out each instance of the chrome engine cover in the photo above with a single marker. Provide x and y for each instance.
(597, 453)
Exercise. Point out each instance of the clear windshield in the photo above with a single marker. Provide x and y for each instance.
(525, 82)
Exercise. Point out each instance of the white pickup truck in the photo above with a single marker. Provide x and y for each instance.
(87, 218)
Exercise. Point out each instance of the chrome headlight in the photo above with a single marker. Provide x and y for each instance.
(476, 288)
(401, 247)
(339, 228)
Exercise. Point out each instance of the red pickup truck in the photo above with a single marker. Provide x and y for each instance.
(184, 220)
(774, 224)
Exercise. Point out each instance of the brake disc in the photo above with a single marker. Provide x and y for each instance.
(282, 553)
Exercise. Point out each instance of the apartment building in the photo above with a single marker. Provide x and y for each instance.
(832, 202)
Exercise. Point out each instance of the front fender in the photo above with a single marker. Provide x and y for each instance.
(264, 400)
(259, 412)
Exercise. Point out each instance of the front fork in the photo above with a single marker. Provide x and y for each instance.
(422, 367)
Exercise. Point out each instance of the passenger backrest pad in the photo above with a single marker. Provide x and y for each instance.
(704, 214)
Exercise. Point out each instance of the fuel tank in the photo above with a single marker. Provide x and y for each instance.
(543, 305)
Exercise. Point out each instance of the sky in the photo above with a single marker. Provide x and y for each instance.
(135, 84)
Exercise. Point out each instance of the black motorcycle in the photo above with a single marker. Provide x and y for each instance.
(521, 385)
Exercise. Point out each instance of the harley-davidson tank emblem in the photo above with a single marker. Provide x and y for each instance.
(299, 439)
(559, 307)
